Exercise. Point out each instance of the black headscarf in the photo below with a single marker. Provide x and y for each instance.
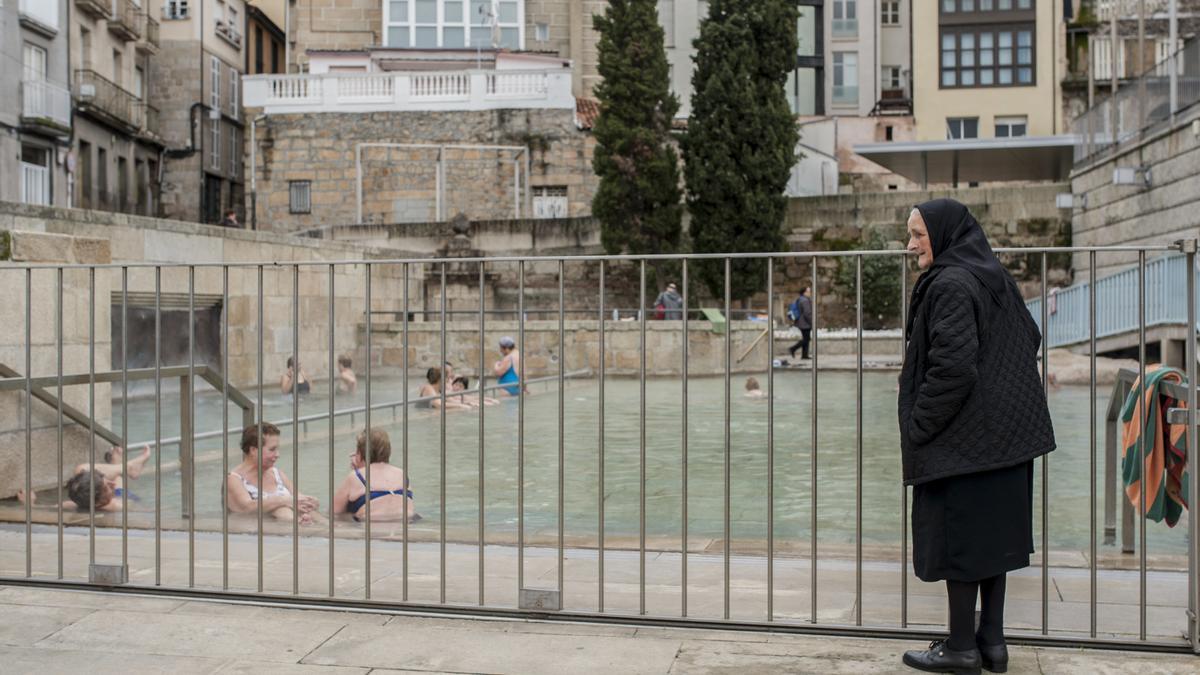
(957, 240)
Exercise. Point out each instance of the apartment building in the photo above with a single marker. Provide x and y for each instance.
(117, 150)
(36, 122)
(265, 42)
(988, 68)
(198, 77)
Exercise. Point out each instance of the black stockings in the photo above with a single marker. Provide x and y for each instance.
(962, 596)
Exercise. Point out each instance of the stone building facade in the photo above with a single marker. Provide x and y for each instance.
(117, 149)
(198, 76)
(35, 126)
(400, 185)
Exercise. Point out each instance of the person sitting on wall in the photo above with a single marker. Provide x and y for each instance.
(432, 389)
(241, 485)
(390, 497)
(461, 384)
(347, 380)
(294, 370)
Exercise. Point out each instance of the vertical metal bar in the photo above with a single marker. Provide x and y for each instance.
(296, 431)
(404, 445)
(124, 409)
(92, 413)
(683, 430)
(1045, 464)
(442, 455)
(158, 426)
(600, 459)
(858, 440)
(1193, 489)
(642, 438)
(1141, 514)
(29, 422)
(521, 426)
(770, 439)
(58, 338)
(259, 426)
(224, 424)
(562, 456)
(367, 459)
(727, 485)
(332, 424)
(190, 465)
(903, 487)
(482, 408)
(1092, 442)
(812, 457)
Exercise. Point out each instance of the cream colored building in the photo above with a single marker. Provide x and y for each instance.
(988, 68)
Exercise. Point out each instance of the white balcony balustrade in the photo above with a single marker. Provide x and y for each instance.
(433, 91)
(42, 101)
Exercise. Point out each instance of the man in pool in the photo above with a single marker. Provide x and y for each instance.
(509, 367)
(347, 380)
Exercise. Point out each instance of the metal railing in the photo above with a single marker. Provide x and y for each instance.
(97, 92)
(586, 599)
(148, 29)
(43, 101)
(1069, 308)
(124, 21)
(1140, 105)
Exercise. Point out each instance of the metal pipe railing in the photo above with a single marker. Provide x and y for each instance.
(381, 278)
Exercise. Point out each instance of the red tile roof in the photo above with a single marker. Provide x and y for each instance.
(586, 112)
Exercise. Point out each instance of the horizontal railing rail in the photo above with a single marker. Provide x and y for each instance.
(566, 465)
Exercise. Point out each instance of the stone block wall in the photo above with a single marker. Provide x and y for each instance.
(400, 184)
(333, 24)
(1158, 214)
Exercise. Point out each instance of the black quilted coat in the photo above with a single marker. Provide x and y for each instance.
(971, 398)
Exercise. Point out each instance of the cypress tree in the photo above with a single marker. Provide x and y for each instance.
(638, 201)
(741, 140)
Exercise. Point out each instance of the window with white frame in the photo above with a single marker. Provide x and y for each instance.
(214, 84)
(962, 127)
(35, 63)
(233, 91)
(542, 32)
(175, 9)
(234, 153)
(889, 12)
(214, 144)
(892, 78)
(35, 175)
(1012, 126)
(845, 78)
(1102, 58)
(454, 24)
(845, 18)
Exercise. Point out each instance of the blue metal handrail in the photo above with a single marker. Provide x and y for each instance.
(1117, 303)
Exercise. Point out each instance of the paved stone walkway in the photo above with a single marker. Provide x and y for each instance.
(53, 631)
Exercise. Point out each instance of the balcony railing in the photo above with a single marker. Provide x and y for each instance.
(380, 92)
(46, 104)
(149, 119)
(845, 94)
(148, 29)
(101, 9)
(42, 13)
(96, 93)
(845, 28)
(124, 19)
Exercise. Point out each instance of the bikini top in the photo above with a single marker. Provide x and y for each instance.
(355, 504)
(280, 487)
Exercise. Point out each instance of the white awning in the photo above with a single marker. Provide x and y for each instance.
(1025, 158)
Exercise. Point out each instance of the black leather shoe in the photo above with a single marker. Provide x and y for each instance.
(994, 657)
(940, 659)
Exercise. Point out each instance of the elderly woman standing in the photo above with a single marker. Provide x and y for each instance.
(973, 417)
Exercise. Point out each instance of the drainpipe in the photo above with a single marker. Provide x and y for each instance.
(1173, 36)
(254, 171)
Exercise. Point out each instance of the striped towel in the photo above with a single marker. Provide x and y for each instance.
(1163, 475)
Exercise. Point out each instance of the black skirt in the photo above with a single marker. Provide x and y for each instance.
(974, 526)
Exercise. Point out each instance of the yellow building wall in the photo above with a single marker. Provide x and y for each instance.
(932, 106)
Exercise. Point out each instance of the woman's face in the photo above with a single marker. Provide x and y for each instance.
(918, 240)
(270, 453)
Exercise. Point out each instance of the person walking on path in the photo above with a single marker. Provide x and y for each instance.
(973, 417)
(669, 304)
(801, 315)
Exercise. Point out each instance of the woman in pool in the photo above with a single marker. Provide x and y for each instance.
(509, 366)
(241, 485)
(80, 488)
(753, 390)
(294, 371)
(390, 497)
(460, 385)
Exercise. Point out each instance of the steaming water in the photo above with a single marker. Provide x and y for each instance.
(1069, 465)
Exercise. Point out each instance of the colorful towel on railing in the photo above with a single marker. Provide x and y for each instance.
(1163, 474)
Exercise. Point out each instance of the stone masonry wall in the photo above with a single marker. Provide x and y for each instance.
(399, 184)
